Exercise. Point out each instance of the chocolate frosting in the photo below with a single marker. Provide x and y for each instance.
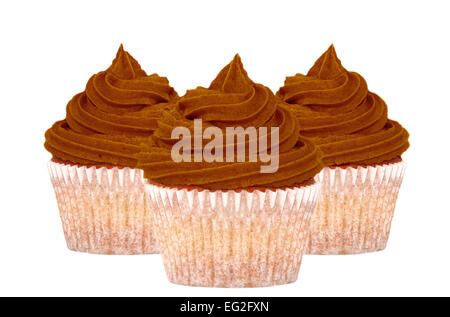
(232, 100)
(106, 123)
(337, 112)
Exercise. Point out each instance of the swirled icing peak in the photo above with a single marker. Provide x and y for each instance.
(117, 111)
(231, 101)
(337, 112)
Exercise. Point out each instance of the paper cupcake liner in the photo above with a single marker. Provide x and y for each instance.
(231, 238)
(103, 210)
(355, 209)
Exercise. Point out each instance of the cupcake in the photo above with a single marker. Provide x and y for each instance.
(99, 191)
(231, 209)
(361, 151)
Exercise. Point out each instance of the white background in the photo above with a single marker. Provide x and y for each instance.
(48, 51)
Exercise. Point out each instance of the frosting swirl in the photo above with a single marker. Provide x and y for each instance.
(117, 111)
(232, 100)
(336, 111)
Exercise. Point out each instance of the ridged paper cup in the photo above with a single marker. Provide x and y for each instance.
(103, 210)
(355, 208)
(232, 238)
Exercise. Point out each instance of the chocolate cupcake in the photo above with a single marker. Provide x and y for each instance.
(225, 218)
(361, 151)
(99, 191)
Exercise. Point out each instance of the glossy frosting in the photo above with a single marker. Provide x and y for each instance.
(336, 111)
(106, 123)
(232, 100)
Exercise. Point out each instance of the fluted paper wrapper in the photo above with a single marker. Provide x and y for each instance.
(355, 208)
(231, 238)
(103, 210)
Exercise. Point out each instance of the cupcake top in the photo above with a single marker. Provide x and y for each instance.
(337, 112)
(117, 111)
(210, 115)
